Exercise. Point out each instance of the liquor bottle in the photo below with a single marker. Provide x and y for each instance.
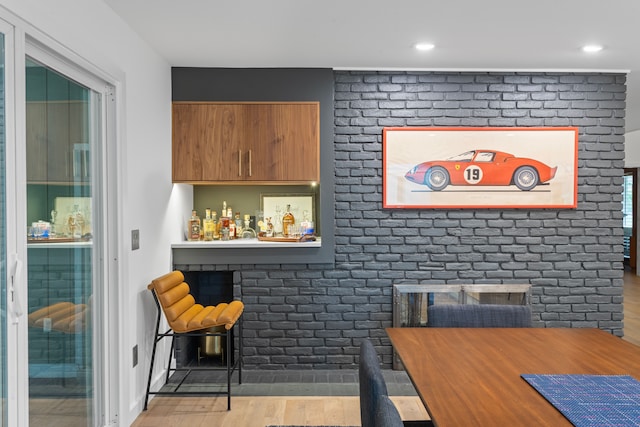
(193, 230)
(306, 226)
(238, 222)
(232, 224)
(208, 225)
(219, 226)
(223, 213)
(216, 225)
(224, 228)
(269, 227)
(232, 229)
(287, 221)
(247, 231)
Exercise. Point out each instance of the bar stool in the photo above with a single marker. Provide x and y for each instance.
(187, 318)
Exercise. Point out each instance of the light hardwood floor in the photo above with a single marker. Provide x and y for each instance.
(261, 411)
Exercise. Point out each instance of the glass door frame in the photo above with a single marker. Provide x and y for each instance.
(17, 404)
(22, 40)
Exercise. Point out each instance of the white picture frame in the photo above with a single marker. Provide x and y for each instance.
(275, 205)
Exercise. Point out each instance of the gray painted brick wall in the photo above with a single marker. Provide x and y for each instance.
(313, 316)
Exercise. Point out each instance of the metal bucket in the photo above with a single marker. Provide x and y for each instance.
(211, 346)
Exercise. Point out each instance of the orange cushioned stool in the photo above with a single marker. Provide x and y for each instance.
(187, 318)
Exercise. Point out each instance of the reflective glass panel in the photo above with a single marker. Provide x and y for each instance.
(60, 248)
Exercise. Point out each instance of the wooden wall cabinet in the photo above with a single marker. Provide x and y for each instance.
(246, 142)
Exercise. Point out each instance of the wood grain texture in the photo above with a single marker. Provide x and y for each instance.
(260, 411)
(471, 376)
(246, 142)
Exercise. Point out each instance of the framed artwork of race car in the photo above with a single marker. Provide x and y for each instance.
(442, 167)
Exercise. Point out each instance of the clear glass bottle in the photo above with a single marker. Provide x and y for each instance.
(219, 225)
(208, 226)
(193, 227)
(287, 221)
(269, 227)
(306, 226)
(232, 224)
(216, 225)
(224, 228)
(238, 222)
(247, 231)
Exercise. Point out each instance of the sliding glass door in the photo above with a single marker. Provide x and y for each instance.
(53, 252)
(60, 239)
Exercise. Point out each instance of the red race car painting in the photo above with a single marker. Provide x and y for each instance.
(482, 167)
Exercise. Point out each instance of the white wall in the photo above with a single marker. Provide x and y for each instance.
(632, 149)
(94, 32)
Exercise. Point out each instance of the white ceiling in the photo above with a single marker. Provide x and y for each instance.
(491, 35)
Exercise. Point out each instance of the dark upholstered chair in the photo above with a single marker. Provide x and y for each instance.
(372, 388)
(372, 384)
(479, 316)
(387, 414)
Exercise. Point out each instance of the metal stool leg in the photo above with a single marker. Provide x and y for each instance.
(173, 340)
(240, 359)
(229, 358)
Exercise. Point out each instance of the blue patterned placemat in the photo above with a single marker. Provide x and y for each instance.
(592, 400)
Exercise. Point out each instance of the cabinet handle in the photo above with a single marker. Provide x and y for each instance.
(249, 162)
(239, 163)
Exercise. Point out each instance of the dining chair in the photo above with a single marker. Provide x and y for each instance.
(478, 316)
(387, 414)
(187, 318)
(372, 384)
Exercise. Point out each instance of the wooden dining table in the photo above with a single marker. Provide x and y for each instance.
(472, 376)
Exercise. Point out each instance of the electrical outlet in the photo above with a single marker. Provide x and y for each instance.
(135, 355)
(135, 239)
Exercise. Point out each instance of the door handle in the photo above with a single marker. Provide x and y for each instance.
(239, 162)
(16, 275)
(249, 162)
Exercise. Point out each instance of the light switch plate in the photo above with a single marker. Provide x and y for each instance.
(135, 239)
(135, 355)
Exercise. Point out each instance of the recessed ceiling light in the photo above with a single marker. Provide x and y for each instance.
(424, 46)
(591, 48)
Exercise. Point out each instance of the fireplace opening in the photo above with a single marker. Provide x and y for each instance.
(208, 288)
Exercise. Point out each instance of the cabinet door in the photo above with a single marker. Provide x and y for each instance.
(284, 142)
(206, 142)
(245, 142)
